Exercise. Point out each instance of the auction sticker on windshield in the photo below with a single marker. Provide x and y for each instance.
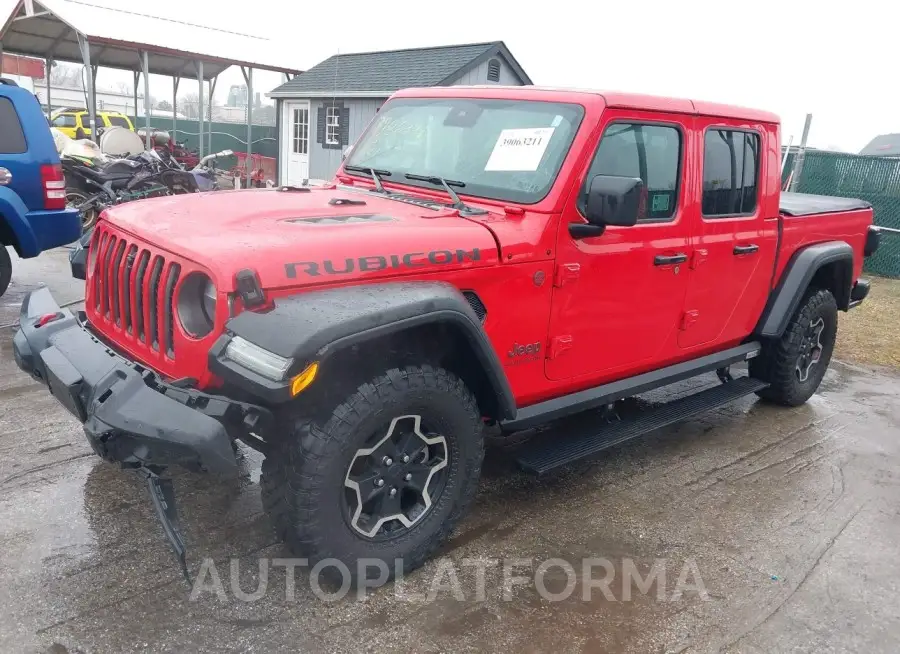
(519, 149)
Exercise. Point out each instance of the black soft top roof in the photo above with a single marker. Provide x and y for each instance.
(804, 204)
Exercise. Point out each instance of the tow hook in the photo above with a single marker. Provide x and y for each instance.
(162, 493)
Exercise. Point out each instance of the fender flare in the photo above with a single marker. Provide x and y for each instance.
(315, 325)
(13, 212)
(795, 279)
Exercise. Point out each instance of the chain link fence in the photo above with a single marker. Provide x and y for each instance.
(873, 179)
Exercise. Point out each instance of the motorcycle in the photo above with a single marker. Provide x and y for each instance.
(187, 159)
(91, 187)
(206, 172)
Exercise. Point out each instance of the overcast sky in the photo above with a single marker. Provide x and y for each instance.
(787, 56)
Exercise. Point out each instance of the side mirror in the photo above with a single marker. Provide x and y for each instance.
(611, 200)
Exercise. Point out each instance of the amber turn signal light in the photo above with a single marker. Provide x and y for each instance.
(304, 379)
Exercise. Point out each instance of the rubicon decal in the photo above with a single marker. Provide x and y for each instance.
(380, 262)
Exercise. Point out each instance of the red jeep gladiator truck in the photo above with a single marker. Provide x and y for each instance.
(484, 255)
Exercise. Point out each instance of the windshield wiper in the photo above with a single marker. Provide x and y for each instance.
(447, 184)
(376, 174)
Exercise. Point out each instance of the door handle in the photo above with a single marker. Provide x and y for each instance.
(745, 249)
(669, 259)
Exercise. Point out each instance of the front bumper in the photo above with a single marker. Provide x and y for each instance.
(130, 416)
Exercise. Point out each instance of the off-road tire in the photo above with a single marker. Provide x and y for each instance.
(778, 360)
(5, 269)
(302, 481)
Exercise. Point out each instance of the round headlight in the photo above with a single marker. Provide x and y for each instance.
(197, 305)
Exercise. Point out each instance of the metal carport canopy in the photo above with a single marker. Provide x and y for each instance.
(63, 30)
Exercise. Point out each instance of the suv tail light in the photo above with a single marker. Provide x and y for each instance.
(54, 183)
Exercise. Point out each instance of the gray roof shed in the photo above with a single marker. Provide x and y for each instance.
(378, 74)
(885, 145)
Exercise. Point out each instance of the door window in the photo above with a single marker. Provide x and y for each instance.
(730, 172)
(12, 138)
(649, 152)
(300, 136)
(118, 121)
(64, 120)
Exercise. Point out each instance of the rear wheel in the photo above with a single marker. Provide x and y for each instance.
(5, 269)
(385, 478)
(75, 198)
(795, 364)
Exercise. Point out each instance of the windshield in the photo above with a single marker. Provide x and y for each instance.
(500, 149)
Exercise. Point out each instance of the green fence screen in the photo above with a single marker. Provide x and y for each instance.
(873, 179)
(225, 136)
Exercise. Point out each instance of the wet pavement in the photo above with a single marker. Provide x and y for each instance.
(772, 530)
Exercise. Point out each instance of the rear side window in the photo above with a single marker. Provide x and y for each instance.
(65, 120)
(730, 172)
(650, 152)
(118, 121)
(12, 138)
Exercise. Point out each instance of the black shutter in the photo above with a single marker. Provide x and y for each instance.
(345, 126)
(320, 125)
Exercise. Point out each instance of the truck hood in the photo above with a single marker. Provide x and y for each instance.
(299, 238)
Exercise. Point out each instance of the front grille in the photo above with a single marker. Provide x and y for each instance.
(133, 291)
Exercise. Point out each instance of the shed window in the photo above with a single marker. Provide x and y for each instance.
(493, 71)
(333, 125)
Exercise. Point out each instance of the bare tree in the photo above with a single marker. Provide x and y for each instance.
(189, 105)
(64, 75)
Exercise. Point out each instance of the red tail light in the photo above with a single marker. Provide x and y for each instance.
(54, 186)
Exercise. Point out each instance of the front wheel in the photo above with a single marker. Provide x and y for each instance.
(795, 364)
(383, 481)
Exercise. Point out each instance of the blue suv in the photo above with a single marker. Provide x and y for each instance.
(33, 213)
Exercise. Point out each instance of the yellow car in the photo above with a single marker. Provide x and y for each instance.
(75, 123)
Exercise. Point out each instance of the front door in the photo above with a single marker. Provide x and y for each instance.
(295, 137)
(618, 297)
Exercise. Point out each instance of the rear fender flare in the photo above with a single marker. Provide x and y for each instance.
(795, 280)
(13, 212)
(316, 325)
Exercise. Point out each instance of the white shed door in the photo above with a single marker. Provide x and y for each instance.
(296, 139)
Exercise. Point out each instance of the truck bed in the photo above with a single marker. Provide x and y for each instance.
(804, 204)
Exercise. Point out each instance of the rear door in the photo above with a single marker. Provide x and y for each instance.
(734, 239)
(18, 170)
(618, 297)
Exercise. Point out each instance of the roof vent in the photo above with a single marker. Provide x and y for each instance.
(494, 70)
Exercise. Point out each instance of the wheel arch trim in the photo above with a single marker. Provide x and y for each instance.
(795, 280)
(318, 324)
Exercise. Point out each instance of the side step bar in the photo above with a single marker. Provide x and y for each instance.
(543, 412)
(547, 453)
